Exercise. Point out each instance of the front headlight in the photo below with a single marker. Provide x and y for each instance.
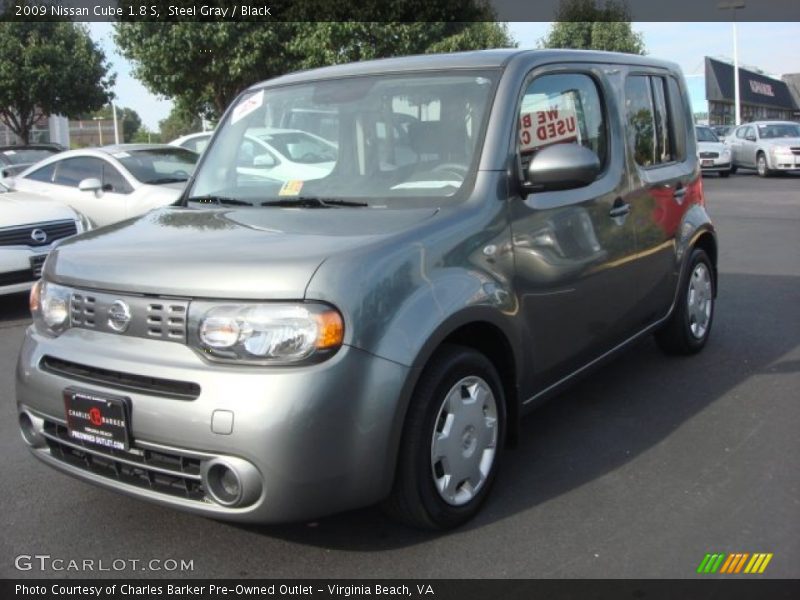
(84, 223)
(780, 150)
(267, 333)
(49, 304)
(726, 151)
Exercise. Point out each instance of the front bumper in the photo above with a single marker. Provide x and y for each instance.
(20, 267)
(318, 438)
(714, 165)
(784, 162)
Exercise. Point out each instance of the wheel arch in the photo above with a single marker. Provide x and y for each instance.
(485, 332)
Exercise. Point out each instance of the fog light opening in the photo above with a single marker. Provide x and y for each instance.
(224, 484)
(26, 427)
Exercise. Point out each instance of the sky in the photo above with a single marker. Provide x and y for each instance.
(771, 47)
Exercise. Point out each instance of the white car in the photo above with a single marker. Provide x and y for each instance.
(766, 146)
(282, 154)
(713, 154)
(29, 228)
(112, 183)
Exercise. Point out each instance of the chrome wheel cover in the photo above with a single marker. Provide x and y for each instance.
(762, 164)
(464, 441)
(699, 301)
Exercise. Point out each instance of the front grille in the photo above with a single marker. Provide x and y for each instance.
(166, 321)
(150, 317)
(140, 384)
(14, 277)
(709, 155)
(167, 473)
(23, 236)
(82, 310)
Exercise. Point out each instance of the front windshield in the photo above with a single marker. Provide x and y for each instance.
(159, 165)
(368, 139)
(704, 134)
(781, 130)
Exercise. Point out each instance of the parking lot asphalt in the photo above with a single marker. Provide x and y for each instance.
(638, 471)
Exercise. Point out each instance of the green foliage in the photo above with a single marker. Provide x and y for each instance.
(143, 136)
(178, 123)
(202, 66)
(585, 25)
(129, 118)
(321, 44)
(49, 68)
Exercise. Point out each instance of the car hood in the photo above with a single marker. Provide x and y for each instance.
(22, 208)
(268, 253)
(710, 147)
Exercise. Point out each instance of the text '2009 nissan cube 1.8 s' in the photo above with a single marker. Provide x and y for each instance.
(473, 231)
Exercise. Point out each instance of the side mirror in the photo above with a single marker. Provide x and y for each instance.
(264, 160)
(561, 167)
(750, 138)
(90, 184)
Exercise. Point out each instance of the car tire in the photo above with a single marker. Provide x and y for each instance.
(734, 168)
(688, 328)
(761, 165)
(459, 398)
(724, 173)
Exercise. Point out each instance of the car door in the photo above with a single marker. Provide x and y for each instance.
(664, 183)
(749, 146)
(573, 249)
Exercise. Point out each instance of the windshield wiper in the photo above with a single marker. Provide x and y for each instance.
(167, 180)
(221, 200)
(312, 202)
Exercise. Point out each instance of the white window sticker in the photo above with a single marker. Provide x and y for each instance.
(10, 152)
(552, 121)
(246, 106)
(121, 155)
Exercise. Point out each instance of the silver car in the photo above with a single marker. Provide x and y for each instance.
(767, 146)
(495, 224)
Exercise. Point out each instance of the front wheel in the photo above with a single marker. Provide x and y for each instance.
(687, 330)
(452, 441)
(761, 165)
(724, 173)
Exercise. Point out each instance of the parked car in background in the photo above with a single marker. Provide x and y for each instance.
(112, 183)
(766, 146)
(15, 159)
(30, 225)
(714, 156)
(276, 153)
(196, 142)
(278, 350)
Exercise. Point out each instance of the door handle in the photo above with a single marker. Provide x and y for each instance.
(619, 210)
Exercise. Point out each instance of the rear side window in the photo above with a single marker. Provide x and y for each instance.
(562, 109)
(653, 117)
(45, 174)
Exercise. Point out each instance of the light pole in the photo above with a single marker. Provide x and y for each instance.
(733, 5)
(116, 129)
(99, 129)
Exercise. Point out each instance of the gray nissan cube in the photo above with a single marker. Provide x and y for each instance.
(458, 237)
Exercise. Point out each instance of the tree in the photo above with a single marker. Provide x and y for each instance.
(178, 123)
(320, 44)
(202, 66)
(583, 24)
(129, 118)
(49, 68)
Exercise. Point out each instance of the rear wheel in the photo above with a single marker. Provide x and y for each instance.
(452, 441)
(687, 330)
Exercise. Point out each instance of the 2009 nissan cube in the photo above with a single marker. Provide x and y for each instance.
(474, 231)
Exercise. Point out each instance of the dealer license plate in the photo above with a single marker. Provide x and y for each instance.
(707, 163)
(98, 419)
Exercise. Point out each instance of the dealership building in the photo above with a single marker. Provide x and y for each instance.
(761, 97)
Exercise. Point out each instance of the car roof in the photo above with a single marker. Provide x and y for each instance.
(476, 59)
